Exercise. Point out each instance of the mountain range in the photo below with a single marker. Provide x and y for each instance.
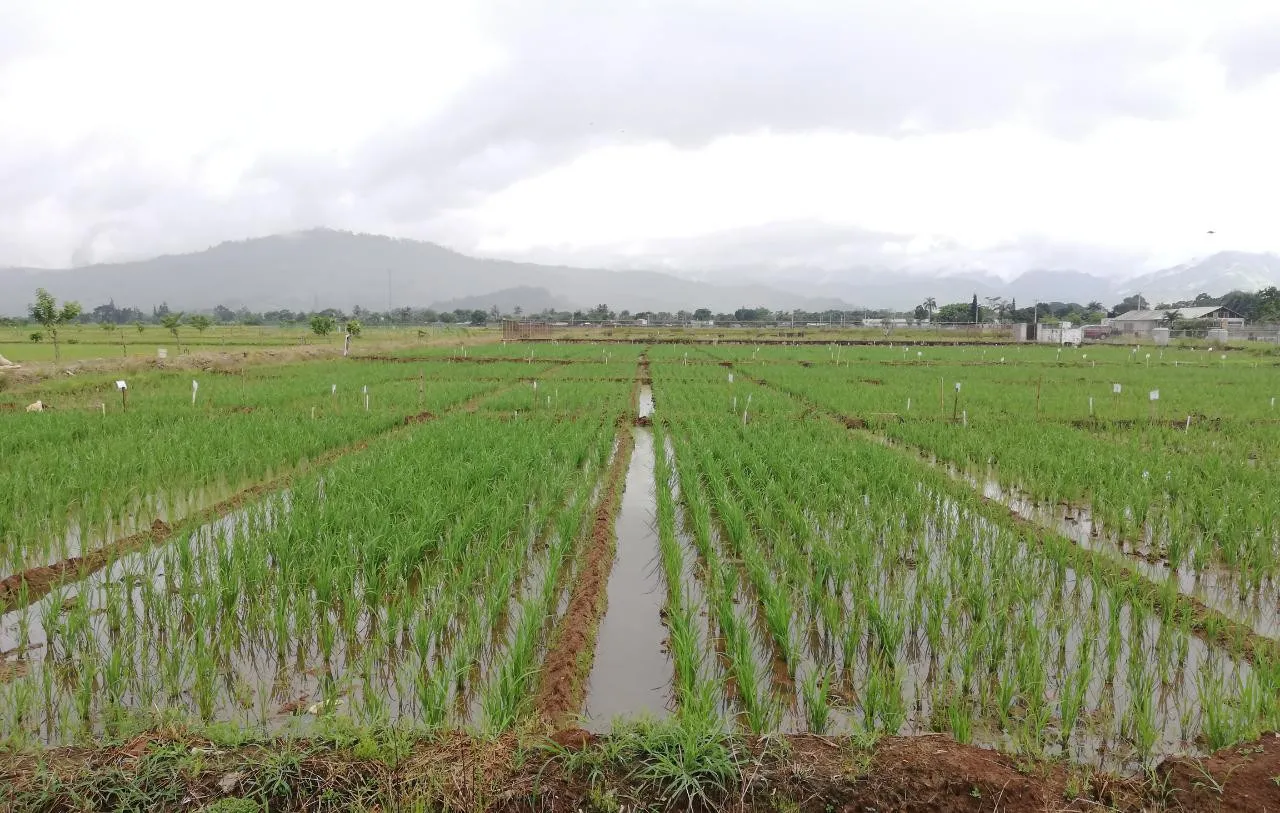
(323, 268)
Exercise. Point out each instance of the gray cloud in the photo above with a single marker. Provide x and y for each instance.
(584, 74)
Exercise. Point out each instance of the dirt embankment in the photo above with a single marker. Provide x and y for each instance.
(1243, 777)
(568, 661)
(36, 582)
(580, 772)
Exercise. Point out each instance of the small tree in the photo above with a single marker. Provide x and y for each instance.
(322, 325)
(171, 322)
(200, 322)
(47, 313)
(353, 327)
(108, 326)
(140, 327)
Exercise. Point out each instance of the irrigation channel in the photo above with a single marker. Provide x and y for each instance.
(630, 674)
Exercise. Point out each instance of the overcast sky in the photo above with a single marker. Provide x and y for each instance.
(1105, 134)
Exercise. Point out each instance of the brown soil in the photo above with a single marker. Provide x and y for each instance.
(644, 420)
(421, 417)
(36, 582)
(1243, 777)
(568, 660)
(853, 423)
(453, 772)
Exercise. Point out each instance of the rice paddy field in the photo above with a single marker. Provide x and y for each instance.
(1064, 558)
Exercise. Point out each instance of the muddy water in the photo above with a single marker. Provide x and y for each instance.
(645, 406)
(82, 537)
(631, 674)
(1256, 606)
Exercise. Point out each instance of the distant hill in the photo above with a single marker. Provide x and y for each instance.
(1215, 275)
(323, 268)
(530, 300)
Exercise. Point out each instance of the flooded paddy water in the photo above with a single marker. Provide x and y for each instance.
(630, 673)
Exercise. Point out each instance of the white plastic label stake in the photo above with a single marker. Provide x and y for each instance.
(1091, 405)
(195, 386)
(333, 389)
(1115, 388)
(957, 386)
(730, 378)
(1154, 395)
(120, 385)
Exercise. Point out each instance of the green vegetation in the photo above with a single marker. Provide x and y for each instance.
(860, 541)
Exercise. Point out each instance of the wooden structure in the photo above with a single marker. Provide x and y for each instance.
(516, 331)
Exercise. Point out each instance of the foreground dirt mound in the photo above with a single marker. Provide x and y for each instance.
(1239, 778)
(578, 772)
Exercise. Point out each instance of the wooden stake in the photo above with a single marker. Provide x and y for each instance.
(1039, 381)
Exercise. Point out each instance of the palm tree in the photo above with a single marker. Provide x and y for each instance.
(931, 305)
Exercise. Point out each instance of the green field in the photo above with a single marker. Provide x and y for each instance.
(861, 542)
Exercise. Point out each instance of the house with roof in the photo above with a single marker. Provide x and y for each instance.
(1143, 321)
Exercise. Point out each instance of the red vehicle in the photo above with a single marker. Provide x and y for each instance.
(1097, 331)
